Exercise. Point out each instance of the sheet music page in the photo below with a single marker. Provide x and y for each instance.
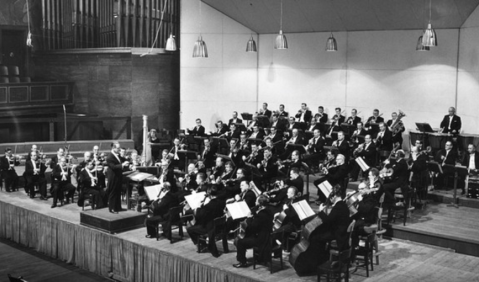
(139, 176)
(326, 188)
(152, 191)
(303, 209)
(194, 200)
(238, 209)
(362, 164)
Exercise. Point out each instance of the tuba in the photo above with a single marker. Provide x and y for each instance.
(398, 125)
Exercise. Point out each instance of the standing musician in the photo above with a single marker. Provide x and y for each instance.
(208, 153)
(342, 145)
(221, 129)
(451, 123)
(336, 121)
(399, 178)
(384, 138)
(211, 208)
(335, 175)
(235, 119)
(7, 166)
(116, 165)
(321, 116)
(198, 130)
(259, 227)
(396, 136)
(282, 112)
(152, 138)
(161, 208)
(360, 131)
(353, 119)
(304, 115)
(471, 160)
(278, 123)
(367, 151)
(89, 182)
(314, 149)
(335, 222)
(61, 176)
(264, 110)
(446, 156)
(35, 174)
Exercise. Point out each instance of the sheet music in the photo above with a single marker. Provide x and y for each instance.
(152, 192)
(303, 209)
(238, 209)
(326, 188)
(194, 200)
(139, 176)
(362, 164)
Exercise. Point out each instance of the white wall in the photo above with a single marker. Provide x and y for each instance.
(212, 88)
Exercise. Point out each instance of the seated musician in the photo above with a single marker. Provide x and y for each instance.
(276, 149)
(255, 122)
(235, 119)
(267, 167)
(321, 116)
(294, 161)
(304, 115)
(167, 175)
(342, 144)
(336, 121)
(233, 185)
(281, 112)
(35, 175)
(259, 227)
(279, 195)
(418, 161)
(444, 157)
(211, 208)
(314, 149)
(335, 175)
(218, 169)
(208, 153)
(235, 153)
(396, 134)
(234, 133)
(274, 135)
(221, 129)
(471, 160)
(7, 166)
(278, 123)
(367, 152)
(152, 138)
(335, 222)
(257, 133)
(89, 184)
(189, 181)
(451, 123)
(254, 158)
(353, 119)
(33, 149)
(293, 124)
(264, 111)
(286, 218)
(226, 174)
(295, 138)
(165, 157)
(61, 176)
(399, 179)
(87, 157)
(375, 118)
(55, 159)
(360, 131)
(198, 130)
(160, 209)
(243, 143)
(200, 167)
(314, 125)
(384, 141)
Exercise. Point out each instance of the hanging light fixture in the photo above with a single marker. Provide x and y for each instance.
(421, 47)
(281, 42)
(171, 42)
(429, 38)
(200, 51)
(331, 45)
(251, 45)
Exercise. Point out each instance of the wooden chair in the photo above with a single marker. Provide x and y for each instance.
(13, 71)
(275, 248)
(405, 208)
(175, 222)
(336, 269)
(333, 245)
(25, 79)
(365, 254)
(4, 79)
(16, 279)
(14, 79)
(218, 229)
(3, 71)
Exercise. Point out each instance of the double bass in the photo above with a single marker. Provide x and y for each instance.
(298, 252)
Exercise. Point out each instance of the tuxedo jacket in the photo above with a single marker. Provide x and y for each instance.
(369, 154)
(29, 169)
(455, 124)
(338, 221)
(467, 158)
(318, 147)
(354, 121)
(307, 116)
(323, 119)
(238, 120)
(385, 142)
(378, 119)
(197, 131)
(450, 159)
(344, 148)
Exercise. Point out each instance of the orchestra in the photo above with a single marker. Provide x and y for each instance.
(264, 166)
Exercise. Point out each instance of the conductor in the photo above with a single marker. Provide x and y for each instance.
(115, 164)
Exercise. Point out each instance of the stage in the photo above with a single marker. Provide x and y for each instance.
(129, 256)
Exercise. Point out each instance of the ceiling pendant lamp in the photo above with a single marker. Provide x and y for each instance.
(331, 45)
(251, 45)
(170, 43)
(281, 42)
(421, 47)
(429, 38)
(200, 50)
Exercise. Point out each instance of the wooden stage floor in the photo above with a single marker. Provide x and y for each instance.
(400, 261)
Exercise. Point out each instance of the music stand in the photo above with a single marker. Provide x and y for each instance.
(434, 167)
(263, 120)
(220, 142)
(298, 147)
(257, 141)
(241, 127)
(187, 155)
(424, 127)
(254, 170)
(199, 141)
(155, 170)
(347, 128)
(247, 116)
(307, 171)
(458, 171)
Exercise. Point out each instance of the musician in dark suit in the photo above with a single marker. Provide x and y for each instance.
(161, 208)
(397, 135)
(343, 145)
(221, 128)
(235, 119)
(264, 111)
(61, 175)
(211, 208)
(451, 123)
(399, 178)
(234, 133)
(353, 119)
(207, 154)
(334, 227)
(304, 115)
(257, 133)
(7, 166)
(89, 182)
(360, 131)
(293, 124)
(384, 138)
(235, 153)
(282, 112)
(336, 121)
(295, 180)
(286, 218)
(153, 139)
(55, 159)
(116, 165)
(315, 148)
(471, 160)
(321, 116)
(366, 151)
(198, 130)
(446, 156)
(278, 123)
(335, 175)
(268, 167)
(314, 125)
(248, 196)
(375, 118)
(275, 135)
(257, 234)
(35, 174)
(255, 157)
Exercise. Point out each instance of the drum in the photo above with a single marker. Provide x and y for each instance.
(465, 139)
(473, 187)
(438, 140)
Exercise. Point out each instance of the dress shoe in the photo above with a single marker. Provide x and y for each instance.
(111, 211)
(149, 236)
(215, 254)
(54, 206)
(67, 202)
(240, 265)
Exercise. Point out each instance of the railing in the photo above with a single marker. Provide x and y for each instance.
(34, 94)
(69, 24)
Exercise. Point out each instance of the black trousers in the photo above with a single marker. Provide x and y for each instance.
(98, 196)
(11, 180)
(242, 245)
(195, 231)
(32, 181)
(152, 222)
(59, 188)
